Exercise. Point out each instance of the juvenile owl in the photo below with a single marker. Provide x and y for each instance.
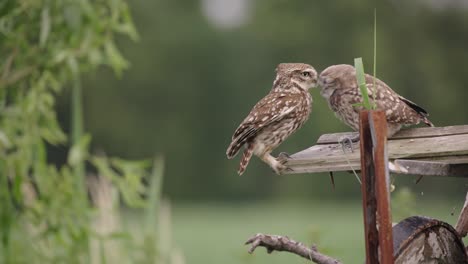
(339, 87)
(280, 113)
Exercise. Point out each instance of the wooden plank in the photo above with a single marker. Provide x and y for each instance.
(447, 159)
(308, 168)
(420, 132)
(409, 167)
(378, 129)
(402, 148)
(462, 222)
(369, 201)
(335, 137)
(320, 158)
(431, 168)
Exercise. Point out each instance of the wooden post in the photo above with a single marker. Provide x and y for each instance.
(369, 202)
(378, 126)
(462, 222)
(375, 188)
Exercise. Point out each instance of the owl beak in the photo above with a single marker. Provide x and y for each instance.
(314, 84)
(320, 83)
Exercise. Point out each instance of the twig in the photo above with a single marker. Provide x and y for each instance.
(8, 63)
(283, 243)
(332, 178)
(16, 76)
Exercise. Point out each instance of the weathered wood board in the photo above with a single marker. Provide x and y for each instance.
(420, 239)
(438, 151)
(462, 222)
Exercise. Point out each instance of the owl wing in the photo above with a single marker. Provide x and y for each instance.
(397, 108)
(271, 109)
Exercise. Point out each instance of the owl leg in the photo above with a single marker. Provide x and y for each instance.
(283, 157)
(276, 165)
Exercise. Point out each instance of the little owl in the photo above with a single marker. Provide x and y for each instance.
(280, 113)
(339, 87)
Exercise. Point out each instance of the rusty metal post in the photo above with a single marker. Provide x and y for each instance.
(369, 202)
(375, 188)
(378, 126)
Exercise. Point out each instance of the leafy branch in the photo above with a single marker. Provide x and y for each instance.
(45, 215)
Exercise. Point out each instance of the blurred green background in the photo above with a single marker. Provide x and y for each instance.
(200, 66)
(196, 74)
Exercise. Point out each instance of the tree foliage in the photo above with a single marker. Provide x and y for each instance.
(45, 45)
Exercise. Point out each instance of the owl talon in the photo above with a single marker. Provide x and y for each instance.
(347, 142)
(284, 155)
(283, 158)
(282, 169)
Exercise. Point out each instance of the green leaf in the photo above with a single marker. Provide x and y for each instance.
(79, 151)
(127, 175)
(72, 16)
(361, 81)
(374, 105)
(116, 61)
(154, 195)
(45, 26)
(4, 140)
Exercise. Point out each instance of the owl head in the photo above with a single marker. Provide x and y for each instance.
(295, 76)
(332, 78)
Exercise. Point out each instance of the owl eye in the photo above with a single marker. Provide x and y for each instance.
(306, 74)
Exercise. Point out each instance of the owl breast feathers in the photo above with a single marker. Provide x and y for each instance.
(271, 120)
(339, 86)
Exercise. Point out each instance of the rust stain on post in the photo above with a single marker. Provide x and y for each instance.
(378, 128)
(369, 202)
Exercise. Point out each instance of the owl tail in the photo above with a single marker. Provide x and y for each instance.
(233, 149)
(428, 122)
(422, 113)
(245, 158)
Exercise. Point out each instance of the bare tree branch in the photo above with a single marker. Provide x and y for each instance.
(283, 243)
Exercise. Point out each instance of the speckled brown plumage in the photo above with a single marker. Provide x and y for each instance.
(339, 86)
(281, 112)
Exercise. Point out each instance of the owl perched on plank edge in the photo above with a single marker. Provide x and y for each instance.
(280, 113)
(339, 87)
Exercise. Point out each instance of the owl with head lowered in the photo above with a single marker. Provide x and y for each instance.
(338, 85)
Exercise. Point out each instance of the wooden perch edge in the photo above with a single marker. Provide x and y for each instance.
(429, 151)
(283, 243)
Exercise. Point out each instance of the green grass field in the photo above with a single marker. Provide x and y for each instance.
(215, 233)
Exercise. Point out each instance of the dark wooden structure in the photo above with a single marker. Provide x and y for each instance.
(419, 239)
(416, 240)
(420, 151)
(375, 188)
(462, 223)
(429, 151)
